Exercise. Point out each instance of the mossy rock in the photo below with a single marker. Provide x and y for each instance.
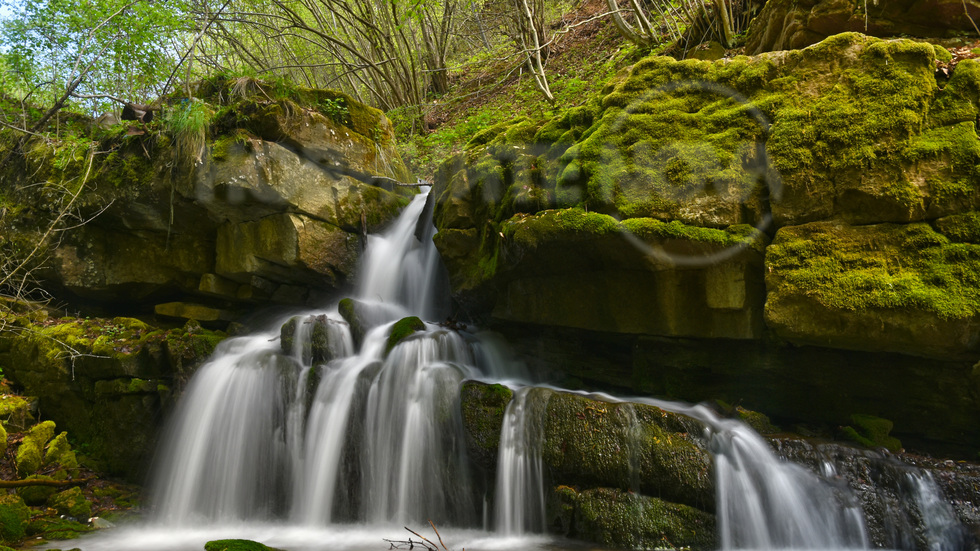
(15, 411)
(885, 287)
(235, 545)
(37, 495)
(30, 454)
(627, 520)
(352, 312)
(287, 334)
(14, 515)
(758, 421)
(54, 528)
(401, 330)
(483, 406)
(60, 452)
(633, 447)
(316, 348)
(871, 432)
(72, 503)
(3, 440)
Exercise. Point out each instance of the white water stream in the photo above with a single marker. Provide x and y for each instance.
(267, 446)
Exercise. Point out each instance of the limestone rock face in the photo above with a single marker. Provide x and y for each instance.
(273, 210)
(884, 287)
(795, 208)
(786, 24)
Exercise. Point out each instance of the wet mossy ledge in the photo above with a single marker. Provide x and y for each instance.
(106, 381)
(812, 203)
(247, 193)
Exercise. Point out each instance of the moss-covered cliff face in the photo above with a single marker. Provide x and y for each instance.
(106, 381)
(265, 198)
(818, 197)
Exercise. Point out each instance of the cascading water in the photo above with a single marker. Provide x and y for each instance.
(375, 436)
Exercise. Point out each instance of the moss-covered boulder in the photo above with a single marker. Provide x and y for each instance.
(483, 406)
(30, 453)
(56, 528)
(401, 330)
(628, 446)
(14, 515)
(627, 520)
(3, 440)
(886, 287)
(72, 503)
(235, 545)
(872, 432)
(15, 411)
(59, 452)
(789, 24)
(353, 313)
(312, 337)
(37, 495)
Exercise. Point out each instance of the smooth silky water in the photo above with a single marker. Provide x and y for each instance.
(268, 447)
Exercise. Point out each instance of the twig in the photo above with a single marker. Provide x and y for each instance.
(967, 13)
(433, 548)
(437, 535)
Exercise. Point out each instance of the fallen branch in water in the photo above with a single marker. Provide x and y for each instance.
(426, 543)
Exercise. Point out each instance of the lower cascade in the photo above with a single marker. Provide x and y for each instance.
(344, 424)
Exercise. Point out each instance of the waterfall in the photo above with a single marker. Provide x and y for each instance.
(767, 503)
(520, 490)
(376, 436)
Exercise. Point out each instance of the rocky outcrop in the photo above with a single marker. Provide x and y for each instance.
(793, 24)
(271, 205)
(747, 219)
(622, 474)
(106, 381)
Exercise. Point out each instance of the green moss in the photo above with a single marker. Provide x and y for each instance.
(287, 334)
(54, 528)
(14, 515)
(60, 453)
(3, 440)
(961, 228)
(30, 453)
(483, 406)
(403, 329)
(758, 421)
(37, 495)
(626, 520)
(885, 266)
(872, 432)
(72, 503)
(235, 545)
(627, 446)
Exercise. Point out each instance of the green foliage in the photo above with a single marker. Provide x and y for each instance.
(123, 48)
(188, 123)
(336, 109)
